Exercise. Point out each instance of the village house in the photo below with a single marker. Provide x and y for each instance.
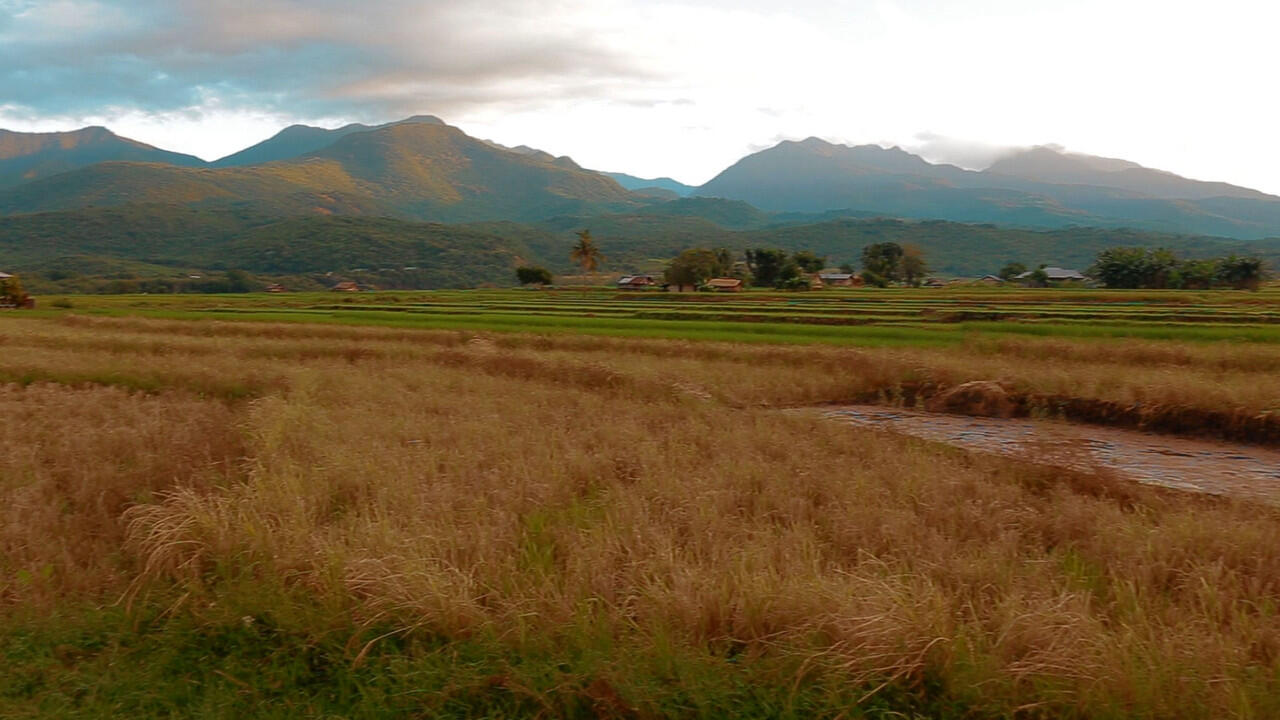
(725, 284)
(635, 282)
(1055, 274)
(275, 288)
(346, 286)
(840, 280)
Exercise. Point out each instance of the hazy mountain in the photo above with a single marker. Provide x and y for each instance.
(297, 140)
(814, 176)
(412, 170)
(30, 156)
(733, 214)
(1050, 165)
(631, 182)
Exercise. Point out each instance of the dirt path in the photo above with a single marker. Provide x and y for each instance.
(1197, 465)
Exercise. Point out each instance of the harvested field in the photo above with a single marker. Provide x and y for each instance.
(207, 515)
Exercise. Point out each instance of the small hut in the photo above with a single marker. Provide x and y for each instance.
(725, 284)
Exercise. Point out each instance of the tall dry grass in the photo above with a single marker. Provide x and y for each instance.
(540, 490)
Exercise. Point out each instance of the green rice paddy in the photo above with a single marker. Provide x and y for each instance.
(852, 317)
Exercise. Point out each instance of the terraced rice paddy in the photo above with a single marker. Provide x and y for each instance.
(866, 316)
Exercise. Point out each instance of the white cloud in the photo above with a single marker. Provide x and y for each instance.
(674, 87)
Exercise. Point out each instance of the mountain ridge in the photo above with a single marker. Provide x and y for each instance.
(353, 170)
(413, 170)
(25, 157)
(1048, 164)
(297, 140)
(813, 176)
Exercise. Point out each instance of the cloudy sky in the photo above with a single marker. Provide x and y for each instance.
(679, 88)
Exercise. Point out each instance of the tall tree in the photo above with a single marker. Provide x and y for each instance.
(586, 253)
(1012, 270)
(883, 259)
(1242, 273)
(809, 262)
(912, 266)
(765, 265)
(724, 260)
(692, 267)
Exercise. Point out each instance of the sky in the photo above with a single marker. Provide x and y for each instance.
(680, 88)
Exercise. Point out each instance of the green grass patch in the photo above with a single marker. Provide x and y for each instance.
(106, 663)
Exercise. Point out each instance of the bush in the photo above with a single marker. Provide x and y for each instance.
(533, 275)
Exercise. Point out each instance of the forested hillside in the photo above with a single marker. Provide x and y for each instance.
(114, 242)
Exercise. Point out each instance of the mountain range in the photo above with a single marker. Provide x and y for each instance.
(1037, 187)
(422, 170)
(418, 170)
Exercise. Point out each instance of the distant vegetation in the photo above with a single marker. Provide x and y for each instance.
(695, 266)
(532, 275)
(774, 267)
(1137, 267)
(85, 249)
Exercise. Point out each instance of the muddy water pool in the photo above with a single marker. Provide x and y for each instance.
(1186, 464)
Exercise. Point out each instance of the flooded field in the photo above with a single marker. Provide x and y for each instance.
(1196, 465)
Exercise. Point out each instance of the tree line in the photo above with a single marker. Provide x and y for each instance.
(886, 263)
(1136, 267)
(883, 263)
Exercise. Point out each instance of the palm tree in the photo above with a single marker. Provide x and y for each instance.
(586, 253)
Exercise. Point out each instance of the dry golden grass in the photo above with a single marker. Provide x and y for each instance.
(540, 489)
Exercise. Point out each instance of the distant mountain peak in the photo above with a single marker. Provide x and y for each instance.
(1054, 164)
(665, 184)
(297, 140)
(429, 119)
(30, 156)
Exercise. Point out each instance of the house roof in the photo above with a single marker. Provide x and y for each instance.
(1055, 273)
(724, 282)
(836, 276)
(635, 280)
(4, 275)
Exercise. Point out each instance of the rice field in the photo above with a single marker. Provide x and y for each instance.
(851, 317)
(524, 503)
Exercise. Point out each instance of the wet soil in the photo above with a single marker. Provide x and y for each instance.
(1218, 468)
